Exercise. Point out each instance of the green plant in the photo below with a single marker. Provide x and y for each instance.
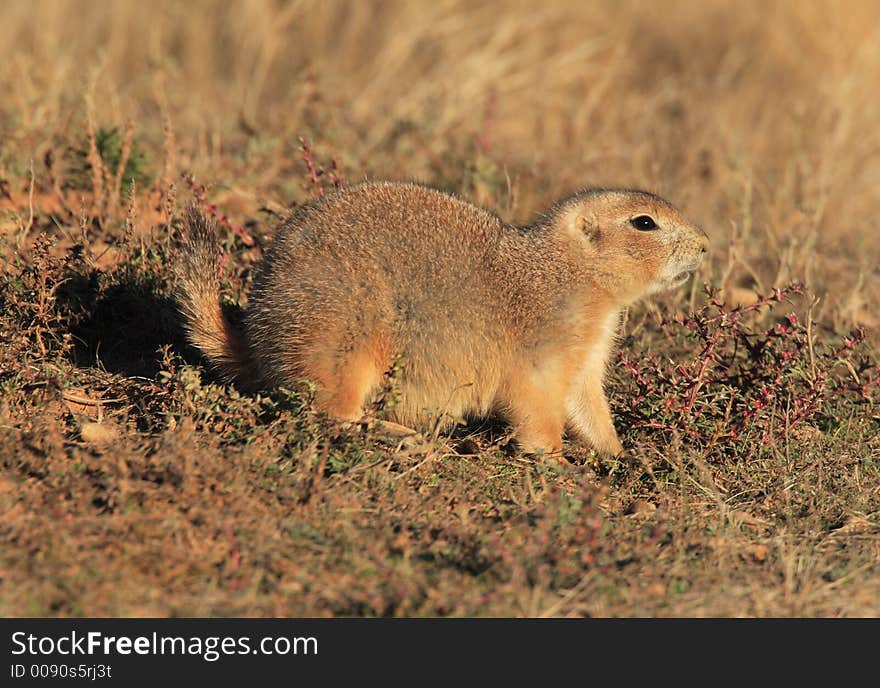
(113, 147)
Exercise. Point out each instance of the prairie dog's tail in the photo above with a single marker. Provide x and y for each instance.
(198, 298)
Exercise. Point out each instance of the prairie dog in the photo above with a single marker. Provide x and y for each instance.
(478, 316)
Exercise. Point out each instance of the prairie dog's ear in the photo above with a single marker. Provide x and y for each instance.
(581, 223)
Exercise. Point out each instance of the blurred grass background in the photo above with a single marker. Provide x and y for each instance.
(759, 118)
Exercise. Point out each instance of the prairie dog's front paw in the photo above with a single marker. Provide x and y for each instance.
(610, 446)
(541, 448)
(613, 447)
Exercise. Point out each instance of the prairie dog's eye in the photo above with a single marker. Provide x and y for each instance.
(644, 223)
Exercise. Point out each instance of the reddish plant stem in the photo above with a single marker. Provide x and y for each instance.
(314, 172)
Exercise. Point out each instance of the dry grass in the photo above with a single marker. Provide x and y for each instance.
(132, 484)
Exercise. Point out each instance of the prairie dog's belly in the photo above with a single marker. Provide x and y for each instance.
(448, 372)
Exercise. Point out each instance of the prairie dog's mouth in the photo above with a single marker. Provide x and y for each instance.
(686, 269)
(683, 276)
(674, 277)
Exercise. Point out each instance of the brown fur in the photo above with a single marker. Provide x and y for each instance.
(482, 316)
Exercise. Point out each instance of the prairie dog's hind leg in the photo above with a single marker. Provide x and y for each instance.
(347, 380)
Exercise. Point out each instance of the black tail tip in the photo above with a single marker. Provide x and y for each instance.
(200, 228)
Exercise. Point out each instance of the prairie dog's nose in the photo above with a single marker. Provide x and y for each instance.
(703, 241)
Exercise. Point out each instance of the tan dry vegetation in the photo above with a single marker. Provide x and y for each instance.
(759, 119)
